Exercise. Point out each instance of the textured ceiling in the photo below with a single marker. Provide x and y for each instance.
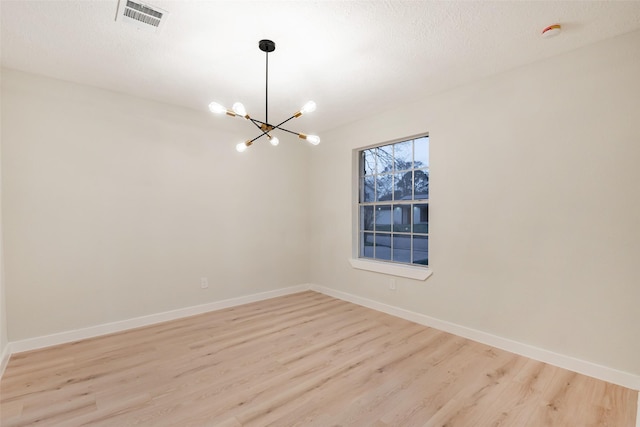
(354, 58)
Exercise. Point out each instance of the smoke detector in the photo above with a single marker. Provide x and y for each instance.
(551, 31)
(141, 15)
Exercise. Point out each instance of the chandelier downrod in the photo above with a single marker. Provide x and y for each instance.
(266, 46)
(266, 89)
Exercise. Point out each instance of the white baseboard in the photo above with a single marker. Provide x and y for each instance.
(4, 358)
(122, 325)
(604, 373)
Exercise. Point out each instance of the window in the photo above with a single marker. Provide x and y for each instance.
(393, 207)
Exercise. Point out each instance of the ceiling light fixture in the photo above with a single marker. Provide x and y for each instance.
(238, 110)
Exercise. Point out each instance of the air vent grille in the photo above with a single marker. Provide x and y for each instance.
(142, 13)
(143, 16)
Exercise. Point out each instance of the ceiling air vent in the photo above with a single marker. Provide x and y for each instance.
(142, 15)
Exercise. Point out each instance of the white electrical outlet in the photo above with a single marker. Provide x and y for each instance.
(392, 284)
(204, 283)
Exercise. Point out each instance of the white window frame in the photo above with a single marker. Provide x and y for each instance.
(392, 268)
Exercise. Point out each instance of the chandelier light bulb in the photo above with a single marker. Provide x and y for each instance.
(274, 141)
(309, 107)
(216, 108)
(313, 139)
(241, 147)
(239, 109)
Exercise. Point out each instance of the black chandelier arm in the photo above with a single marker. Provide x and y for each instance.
(255, 122)
(281, 123)
(257, 137)
(264, 131)
(271, 127)
(278, 125)
(290, 131)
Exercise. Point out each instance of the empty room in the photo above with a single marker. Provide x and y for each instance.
(219, 213)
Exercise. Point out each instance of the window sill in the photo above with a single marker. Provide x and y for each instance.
(408, 271)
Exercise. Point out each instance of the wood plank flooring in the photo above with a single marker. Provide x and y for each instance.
(303, 359)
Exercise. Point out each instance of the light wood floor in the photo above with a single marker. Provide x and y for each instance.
(303, 359)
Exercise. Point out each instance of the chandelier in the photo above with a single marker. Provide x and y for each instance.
(266, 128)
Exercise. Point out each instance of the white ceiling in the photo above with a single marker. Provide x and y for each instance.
(354, 58)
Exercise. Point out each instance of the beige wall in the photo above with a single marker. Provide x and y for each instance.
(114, 207)
(535, 205)
(4, 340)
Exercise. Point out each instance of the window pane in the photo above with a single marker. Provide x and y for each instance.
(402, 218)
(383, 218)
(421, 184)
(421, 152)
(403, 186)
(383, 246)
(366, 245)
(402, 248)
(367, 189)
(385, 159)
(403, 155)
(368, 165)
(421, 250)
(366, 218)
(421, 218)
(384, 186)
